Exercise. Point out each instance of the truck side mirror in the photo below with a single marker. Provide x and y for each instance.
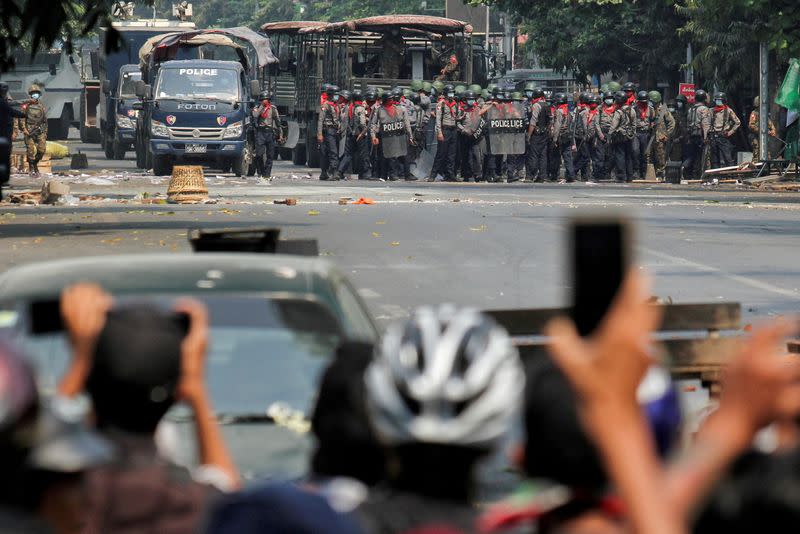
(138, 106)
(255, 88)
(138, 89)
(106, 86)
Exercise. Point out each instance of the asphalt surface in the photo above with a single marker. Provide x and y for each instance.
(485, 245)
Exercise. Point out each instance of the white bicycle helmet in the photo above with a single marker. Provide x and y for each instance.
(446, 376)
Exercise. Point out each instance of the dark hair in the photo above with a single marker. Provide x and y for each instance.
(556, 446)
(136, 368)
(346, 445)
(435, 470)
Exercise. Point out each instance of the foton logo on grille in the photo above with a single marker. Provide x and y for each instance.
(197, 107)
(170, 119)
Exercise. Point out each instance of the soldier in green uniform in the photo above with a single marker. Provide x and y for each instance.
(450, 72)
(34, 127)
(664, 130)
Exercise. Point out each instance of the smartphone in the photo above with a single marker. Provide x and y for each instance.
(600, 258)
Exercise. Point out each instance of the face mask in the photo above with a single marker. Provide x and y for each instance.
(335, 98)
(528, 94)
(470, 103)
(718, 102)
(608, 102)
(35, 96)
(671, 109)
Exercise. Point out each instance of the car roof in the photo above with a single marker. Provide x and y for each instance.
(168, 273)
(201, 63)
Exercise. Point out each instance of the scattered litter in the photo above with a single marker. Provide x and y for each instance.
(380, 222)
(156, 181)
(376, 234)
(67, 200)
(286, 201)
(98, 181)
(313, 212)
(210, 201)
(30, 198)
(92, 198)
(481, 228)
(52, 190)
(362, 200)
(456, 200)
(395, 243)
(227, 211)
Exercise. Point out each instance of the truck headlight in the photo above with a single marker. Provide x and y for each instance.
(234, 130)
(158, 129)
(124, 121)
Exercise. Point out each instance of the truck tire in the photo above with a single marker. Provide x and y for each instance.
(108, 148)
(312, 152)
(299, 154)
(57, 129)
(118, 149)
(162, 165)
(241, 165)
(285, 153)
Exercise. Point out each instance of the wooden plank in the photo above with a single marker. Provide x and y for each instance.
(716, 316)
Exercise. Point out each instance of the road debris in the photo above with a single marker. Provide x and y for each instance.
(286, 201)
(52, 190)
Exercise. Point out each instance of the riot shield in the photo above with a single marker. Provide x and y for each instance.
(474, 125)
(506, 128)
(392, 131)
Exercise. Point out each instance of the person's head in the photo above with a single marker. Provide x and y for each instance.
(264, 96)
(629, 88)
(561, 98)
(358, 96)
(620, 97)
(449, 92)
(680, 102)
(35, 92)
(3, 90)
(470, 97)
(453, 59)
(441, 394)
(345, 95)
(537, 92)
(700, 96)
(346, 445)
(642, 97)
(595, 101)
(654, 97)
(136, 368)
(371, 96)
(386, 98)
(720, 99)
(756, 100)
(608, 99)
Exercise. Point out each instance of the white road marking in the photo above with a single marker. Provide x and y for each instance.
(744, 280)
(368, 293)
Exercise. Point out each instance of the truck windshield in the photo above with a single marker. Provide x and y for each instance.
(207, 83)
(127, 86)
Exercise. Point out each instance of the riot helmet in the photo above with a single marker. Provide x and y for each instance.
(641, 96)
(371, 95)
(654, 96)
(416, 85)
(585, 98)
(426, 88)
(720, 98)
(613, 87)
(345, 95)
(629, 87)
(397, 92)
(35, 92)
(264, 95)
(620, 97)
(561, 98)
(516, 96)
(537, 92)
(469, 97)
(386, 97)
(449, 91)
(358, 96)
(325, 87)
(700, 96)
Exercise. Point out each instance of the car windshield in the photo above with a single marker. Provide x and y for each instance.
(265, 357)
(196, 82)
(127, 86)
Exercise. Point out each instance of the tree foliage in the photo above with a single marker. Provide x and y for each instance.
(635, 38)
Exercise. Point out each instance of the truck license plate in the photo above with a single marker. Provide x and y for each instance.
(195, 149)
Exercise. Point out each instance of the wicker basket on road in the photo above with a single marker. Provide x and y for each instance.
(187, 185)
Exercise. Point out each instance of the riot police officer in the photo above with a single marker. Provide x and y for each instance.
(471, 131)
(698, 125)
(581, 126)
(268, 130)
(446, 114)
(724, 124)
(34, 127)
(328, 134)
(392, 132)
(563, 135)
(346, 145)
(663, 132)
(538, 124)
(645, 121)
(603, 157)
(359, 131)
(620, 134)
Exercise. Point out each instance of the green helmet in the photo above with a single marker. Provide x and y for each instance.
(604, 88)
(654, 96)
(426, 87)
(530, 86)
(438, 85)
(416, 85)
(516, 96)
(407, 92)
(460, 89)
(491, 87)
(614, 87)
(380, 92)
(485, 94)
(475, 88)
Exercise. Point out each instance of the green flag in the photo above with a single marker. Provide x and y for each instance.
(789, 94)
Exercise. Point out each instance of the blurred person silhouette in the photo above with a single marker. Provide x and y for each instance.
(135, 363)
(441, 396)
(347, 461)
(43, 455)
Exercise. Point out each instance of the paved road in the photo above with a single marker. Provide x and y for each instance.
(484, 245)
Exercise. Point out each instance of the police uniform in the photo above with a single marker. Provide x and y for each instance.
(620, 137)
(471, 130)
(582, 139)
(328, 129)
(34, 127)
(267, 128)
(359, 128)
(538, 125)
(724, 124)
(385, 116)
(563, 139)
(445, 160)
(698, 124)
(645, 120)
(603, 160)
(664, 131)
